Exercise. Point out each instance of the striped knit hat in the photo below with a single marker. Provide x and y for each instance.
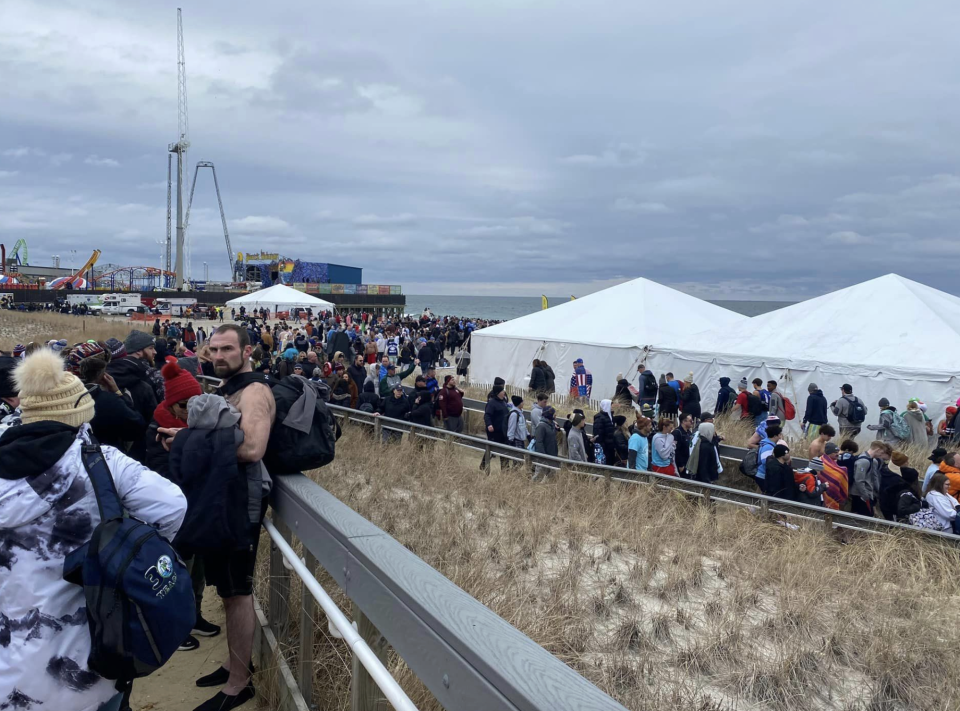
(48, 392)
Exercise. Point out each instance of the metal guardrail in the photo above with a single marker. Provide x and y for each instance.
(709, 493)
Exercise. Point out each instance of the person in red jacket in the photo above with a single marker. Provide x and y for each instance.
(450, 401)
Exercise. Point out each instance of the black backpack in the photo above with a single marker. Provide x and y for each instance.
(754, 405)
(856, 413)
(650, 388)
(139, 597)
(304, 432)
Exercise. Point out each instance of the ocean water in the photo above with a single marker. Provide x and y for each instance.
(507, 307)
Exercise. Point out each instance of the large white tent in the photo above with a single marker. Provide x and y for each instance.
(888, 337)
(610, 330)
(280, 298)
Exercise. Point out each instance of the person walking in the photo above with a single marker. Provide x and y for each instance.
(885, 428)
(818, 445)
(683, 435)
(232, 571)
(581, 382)
(835, 478)
(943, 504)
(646, 387)
(775, 403)
(780, 482)
(704, 462)
(450, 401)
(551, 386)
(664, 449)
(495, 420)
(603, 429)
(537, 409)
(538, 379)
(866, 478)
(726, 397)
(545, 440)
(935, 458)
(690, 398)
(667, 399)
(638, 456)
(516, 423)
(133, 372)
(815, 412)
(918, 424)
(48, 509)
(576, 439)
(849, 411)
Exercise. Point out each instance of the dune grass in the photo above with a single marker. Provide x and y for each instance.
(662, 602)
(24, 327)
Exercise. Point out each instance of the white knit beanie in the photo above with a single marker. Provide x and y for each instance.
(50, 393)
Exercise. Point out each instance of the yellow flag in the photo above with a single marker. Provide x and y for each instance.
(572, 297)
(545, 304)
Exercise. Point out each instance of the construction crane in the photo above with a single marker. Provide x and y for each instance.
(180, 148)
(223, 217)
(166, 266)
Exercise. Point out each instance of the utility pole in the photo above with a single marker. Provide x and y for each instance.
(180, 147)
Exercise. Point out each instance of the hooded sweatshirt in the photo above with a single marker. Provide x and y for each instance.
(47, 510)
(726, 397)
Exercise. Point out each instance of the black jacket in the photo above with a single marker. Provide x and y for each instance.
(621, 445)
(648, 385)
(690, 398)
(426, 354)
(132, 375)
(421, 407)
(816, 410)
(706, 462)
(358, 375)
(667, 399)
(551, 377)
(622, 393)
(369, 396)
(538, 379)
(115, 421)
(495, 414)
(682, 455)
(603, 430)
(779, 481)
(396, 408)
(891, 486)
(726, 397)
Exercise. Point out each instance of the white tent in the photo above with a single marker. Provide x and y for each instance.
(280, 298)
(610, 330)
(888, 337)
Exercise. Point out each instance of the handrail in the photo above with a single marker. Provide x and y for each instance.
(464, 653)
(710, 492)
(388, 685)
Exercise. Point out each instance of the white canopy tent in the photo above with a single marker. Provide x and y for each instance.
(888, 337)
(280, 297)
(610, 330)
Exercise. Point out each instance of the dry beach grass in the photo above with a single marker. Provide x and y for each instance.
(662, 602)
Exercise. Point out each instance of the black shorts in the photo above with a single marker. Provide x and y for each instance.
(232, 572)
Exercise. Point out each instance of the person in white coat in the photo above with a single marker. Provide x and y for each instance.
(47, 510)
(940, 502)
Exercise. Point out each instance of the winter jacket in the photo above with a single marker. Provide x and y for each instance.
(779, 481)
(115, 421)
(944, 506)
(892, 485)
(647, 386)
(451, 402)
(538, 379)
(708, 465)
(776, 406)
(667, 399)
(690, 400)
(664, 448)
(884, 428)
(535, 414)
(576, 447)
(622, 393)
(726, 397)
(133, 375)
(369, 397)
(421, 406)
(546, 438)
(358, 375)
(396, 408)
(603, 430)
(516, 425)
(47, 510)
(622, 446)
(551, 377)
(682, 452)
(918, 427)
(866, 478)
(495, 415)
(842, 408)
(953, 478)
(388, 382)
(816, 410)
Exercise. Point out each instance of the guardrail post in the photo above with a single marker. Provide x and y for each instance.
(377, 430)
(307, 629)
(828, 522)
(365, 695)
(487, 457)
(279, 588)
(526, 458)
(764, 508)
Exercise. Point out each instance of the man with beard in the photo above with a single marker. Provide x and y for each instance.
(232, 572)
(134, 373)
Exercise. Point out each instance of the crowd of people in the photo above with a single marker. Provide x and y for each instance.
(141, 401)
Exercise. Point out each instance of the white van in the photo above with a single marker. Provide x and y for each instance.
(175, 306)
(121, 304)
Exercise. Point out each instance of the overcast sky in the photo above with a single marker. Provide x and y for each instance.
(735, 149)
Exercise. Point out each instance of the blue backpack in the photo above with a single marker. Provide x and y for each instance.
(139, 596)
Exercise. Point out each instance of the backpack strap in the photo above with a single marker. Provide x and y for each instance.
(108, 500)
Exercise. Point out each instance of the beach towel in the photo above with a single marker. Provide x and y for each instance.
(834, 475)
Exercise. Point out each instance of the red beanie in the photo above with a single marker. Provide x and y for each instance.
(178, 384)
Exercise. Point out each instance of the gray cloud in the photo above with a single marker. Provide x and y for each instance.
(705, 150)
